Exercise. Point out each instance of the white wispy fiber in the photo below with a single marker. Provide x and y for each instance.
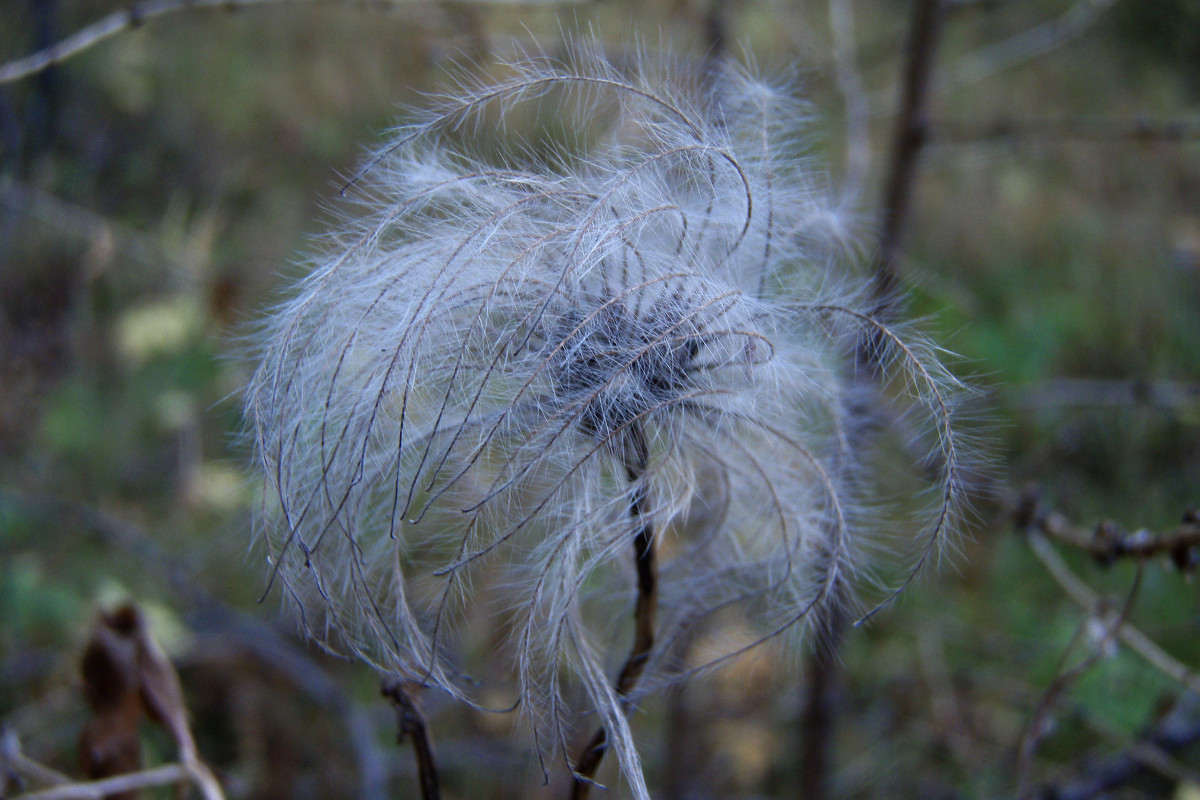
(516, 359)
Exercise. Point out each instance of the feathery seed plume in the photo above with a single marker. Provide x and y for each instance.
(517, 361)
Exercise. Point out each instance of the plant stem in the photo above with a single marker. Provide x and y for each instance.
(412, 724)
(911, 131)
(644, 614)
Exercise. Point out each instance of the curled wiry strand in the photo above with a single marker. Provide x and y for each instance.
(511, 369)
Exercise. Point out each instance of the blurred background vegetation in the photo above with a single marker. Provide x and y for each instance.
(156, 189)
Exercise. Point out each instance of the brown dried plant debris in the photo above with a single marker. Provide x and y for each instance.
(127, 678)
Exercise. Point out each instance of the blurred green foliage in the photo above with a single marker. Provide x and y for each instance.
(1164, 32)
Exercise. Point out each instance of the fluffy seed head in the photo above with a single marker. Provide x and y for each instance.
(513, 360)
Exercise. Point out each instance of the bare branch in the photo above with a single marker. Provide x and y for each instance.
(1039, 722)
(139, 13)
(1108, 542)
(1084, 597)
(1065, 392)
(1121, 131)
(98, 790)
(223, 633)
(15, 763)
(221, 627)
(1030, 44)
(820, 715)
(954, 6)
(1179, 730)
(1146, 748)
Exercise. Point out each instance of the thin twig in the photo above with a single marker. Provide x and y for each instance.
(15, 763)
(1030, 44)
(1178, 731)
(1107, 542)
(139, 13)
(1085, 392)
(1039, 722)
(201, 775)
(953, 725)
(908, 139)
(644, 614)
(412, 725)
(1147, 751)
(1091, 129)
(223, 634)
(715, 30)
(953, 6)
(1087, 599)
(98, 790)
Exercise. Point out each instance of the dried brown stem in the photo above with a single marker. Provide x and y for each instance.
(644, 615)
(820, 708)
(221, 626)
(1107, 542)
(410, 720)
(850, 85)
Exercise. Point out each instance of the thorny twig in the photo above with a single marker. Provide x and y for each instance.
(412, 725)
(1108, 543)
